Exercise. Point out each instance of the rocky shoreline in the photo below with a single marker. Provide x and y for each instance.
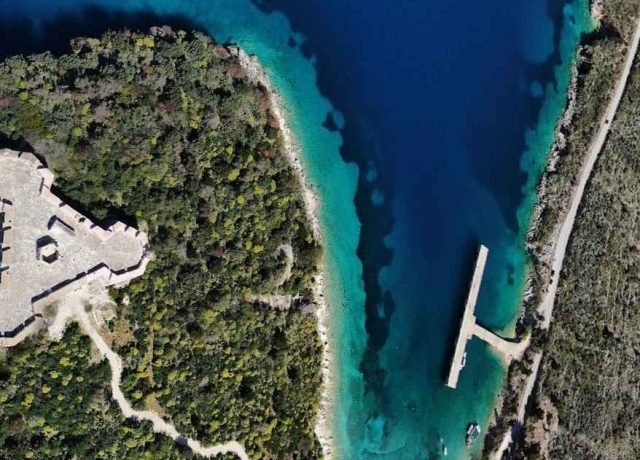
(540, 247)
(588, 97)
(514, 394)
(311, 201)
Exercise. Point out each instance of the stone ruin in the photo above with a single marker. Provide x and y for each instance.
(48, 249)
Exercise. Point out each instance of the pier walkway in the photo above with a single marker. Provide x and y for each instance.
(469, 328)
(510, 349)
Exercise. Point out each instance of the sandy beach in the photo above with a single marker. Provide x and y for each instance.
(256, 72)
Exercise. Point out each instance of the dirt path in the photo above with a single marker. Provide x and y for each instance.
(560, 247)
(281, 302)
(73, 308)
(159, 425)
(510, 349)
(287, 250)
(522, 407)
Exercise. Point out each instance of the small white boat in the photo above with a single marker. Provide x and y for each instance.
(473, 432)
(464, 360)
(445, 451)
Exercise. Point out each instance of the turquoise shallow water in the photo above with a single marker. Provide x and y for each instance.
(431, 287)
(463, 105)
(446, 115)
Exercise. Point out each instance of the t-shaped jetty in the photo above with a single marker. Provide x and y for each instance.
(469, 328)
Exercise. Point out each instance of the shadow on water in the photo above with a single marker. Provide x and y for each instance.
(25, 36)
(359, 146)
(489, 133)
(470, 253)
(509, 142)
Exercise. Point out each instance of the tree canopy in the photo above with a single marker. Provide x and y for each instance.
(166, 132)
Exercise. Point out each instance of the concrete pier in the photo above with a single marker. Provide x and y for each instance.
(469, 327)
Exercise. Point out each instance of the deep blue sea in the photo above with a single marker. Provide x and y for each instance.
(424, 126)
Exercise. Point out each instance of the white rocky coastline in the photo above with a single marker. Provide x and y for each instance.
(544, 254)
(543, 247)
(555, 153)
(323, 422)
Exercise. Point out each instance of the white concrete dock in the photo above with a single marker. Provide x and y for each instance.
(469, 328)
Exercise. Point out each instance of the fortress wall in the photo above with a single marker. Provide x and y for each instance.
(72, 217)
(7, 238)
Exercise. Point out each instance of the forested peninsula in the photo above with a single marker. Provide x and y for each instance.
(168, 132)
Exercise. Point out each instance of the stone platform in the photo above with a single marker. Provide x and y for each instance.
(49, 249)
(509, 349)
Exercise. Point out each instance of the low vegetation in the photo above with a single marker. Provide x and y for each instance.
(166, 131)
(54, 403)
(586, 397)
(600, 59)
(574, 412)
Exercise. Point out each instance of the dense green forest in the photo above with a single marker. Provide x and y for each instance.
(165, 131)
(586, 399)
(54, 403)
